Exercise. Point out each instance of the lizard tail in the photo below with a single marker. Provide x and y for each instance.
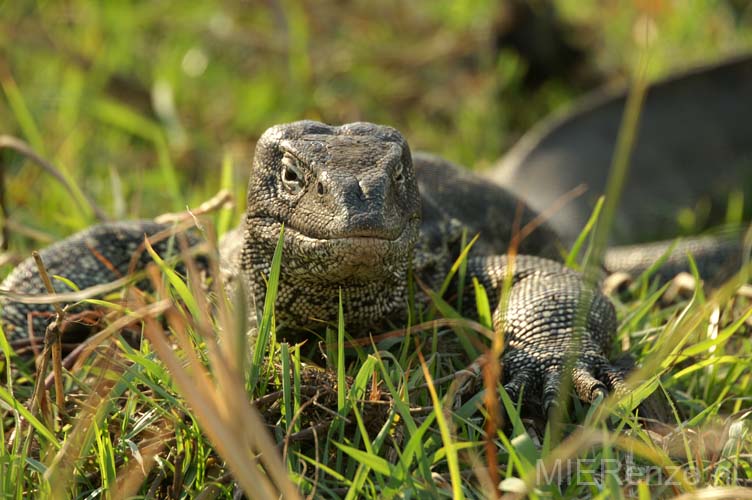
(717, 257)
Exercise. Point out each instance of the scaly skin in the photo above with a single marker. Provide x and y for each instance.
(358, 213)
(97, 255)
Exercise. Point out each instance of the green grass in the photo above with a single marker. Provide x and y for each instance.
(178, 411)
(148, 109)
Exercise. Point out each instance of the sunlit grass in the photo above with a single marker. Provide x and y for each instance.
(175, 413)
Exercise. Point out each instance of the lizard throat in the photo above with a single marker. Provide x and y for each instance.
(370, 272)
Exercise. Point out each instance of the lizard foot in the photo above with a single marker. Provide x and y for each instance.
(592, 377)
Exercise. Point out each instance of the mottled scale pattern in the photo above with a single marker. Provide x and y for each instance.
(551, 318)
(97, 255)
(716, 257)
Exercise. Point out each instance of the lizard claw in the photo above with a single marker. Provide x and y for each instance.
(519, 380)
(586, 385)
(593, 378)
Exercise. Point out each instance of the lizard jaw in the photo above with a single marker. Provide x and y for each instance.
(355, 259)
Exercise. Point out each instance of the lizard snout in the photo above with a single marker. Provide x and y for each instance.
(361, 207)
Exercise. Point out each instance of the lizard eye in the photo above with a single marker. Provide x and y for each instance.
(399, 173)
(292, 174)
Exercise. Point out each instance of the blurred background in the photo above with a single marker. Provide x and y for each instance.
(140, 102)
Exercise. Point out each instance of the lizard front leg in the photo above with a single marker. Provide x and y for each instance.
(552, 321)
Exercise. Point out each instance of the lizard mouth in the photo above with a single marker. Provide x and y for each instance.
(353, 258)
(364, 236)
(354, 238)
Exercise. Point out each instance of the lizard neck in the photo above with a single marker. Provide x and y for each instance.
(373, 283)
(313, 305)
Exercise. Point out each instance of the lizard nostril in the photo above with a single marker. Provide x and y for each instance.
(320, 188)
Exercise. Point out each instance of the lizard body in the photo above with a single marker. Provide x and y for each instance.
(359, 212)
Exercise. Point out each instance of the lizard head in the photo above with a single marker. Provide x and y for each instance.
(347, 197)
